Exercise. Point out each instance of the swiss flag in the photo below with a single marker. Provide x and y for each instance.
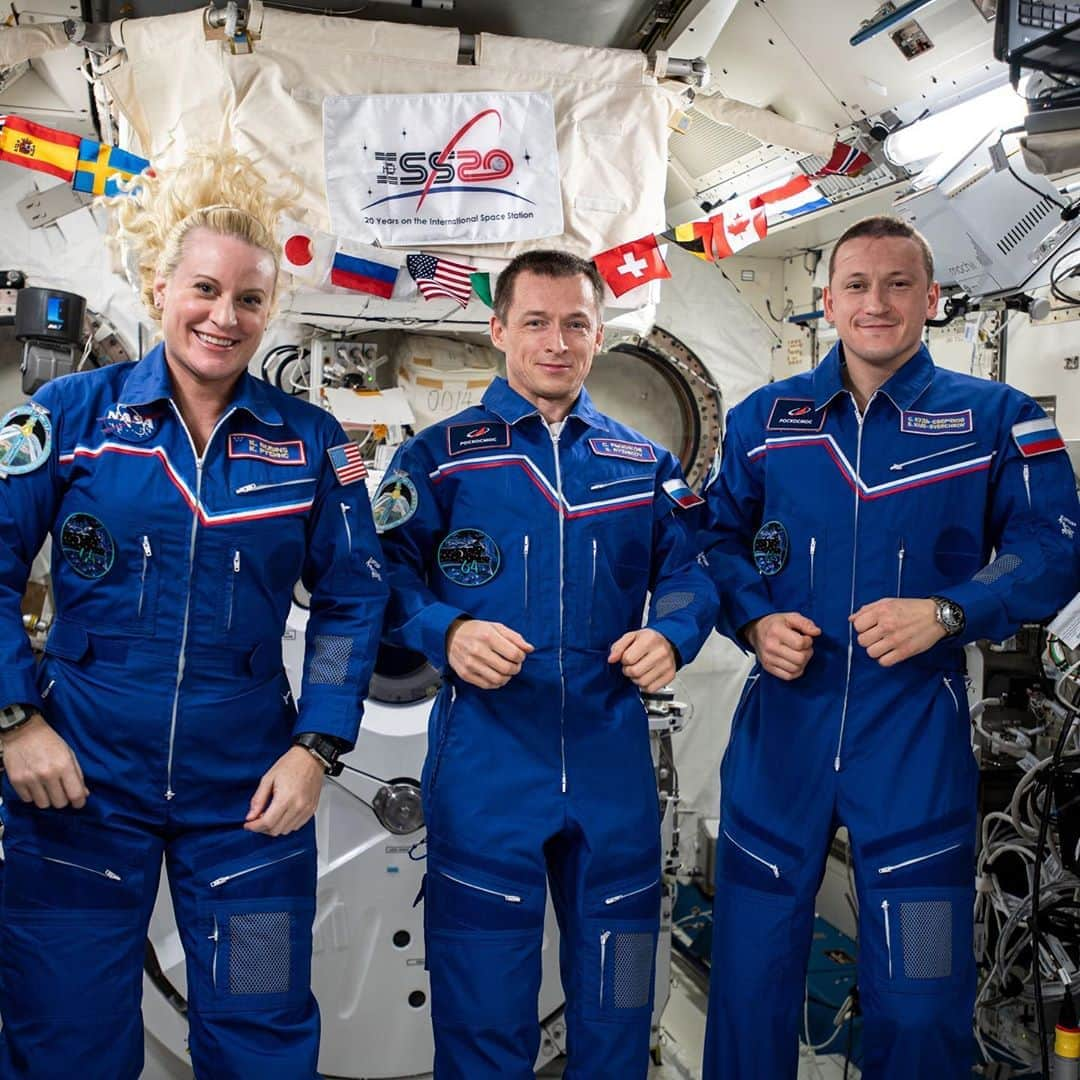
(629, 265)
(741, 223)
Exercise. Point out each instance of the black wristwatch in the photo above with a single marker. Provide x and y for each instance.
(325, 749)
(14, 716)
(950, 614)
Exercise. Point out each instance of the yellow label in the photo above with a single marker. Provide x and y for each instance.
(1067, 1044)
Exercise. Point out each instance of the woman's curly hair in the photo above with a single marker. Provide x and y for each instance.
(214, 187)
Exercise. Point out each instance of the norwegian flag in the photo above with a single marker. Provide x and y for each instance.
(348, 462)
(845, 161)
(436, 277)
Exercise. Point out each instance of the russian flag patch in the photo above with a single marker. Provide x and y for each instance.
(678, 491)
(1034, 437)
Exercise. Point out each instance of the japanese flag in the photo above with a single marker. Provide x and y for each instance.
(306, 253)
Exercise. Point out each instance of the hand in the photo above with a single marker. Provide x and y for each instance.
(784, 642)
(42, 768)
(287, 794)
(648, 659)
(485, 654)
(892, 630)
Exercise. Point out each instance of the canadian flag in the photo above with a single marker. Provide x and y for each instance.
(741, 223)
(306, 253)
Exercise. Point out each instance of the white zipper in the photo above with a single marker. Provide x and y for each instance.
(345, 517)
(110, 874)
(525, 560)
(926, 457)
(757, 858)
(562, 580)
(888, 934)
(213, 960)
(900, 567)
(624, 480)
(1027, 482)
(48, 689)
(917, 859)
(218, 882)
(169, 793)
(508, 897)
(146, 554)
(247, 489)
(232, 587)
(813, 549)
(633, 892)
(603, 956)
(592, 587)
(952, 693)
(854, 550)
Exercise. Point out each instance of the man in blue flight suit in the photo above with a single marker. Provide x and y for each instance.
(868, 519)
(521, 538)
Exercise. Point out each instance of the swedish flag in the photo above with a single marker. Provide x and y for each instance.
(100, 166)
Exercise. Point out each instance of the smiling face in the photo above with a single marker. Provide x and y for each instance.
(214, 307)
(551, 334)
(879, 299)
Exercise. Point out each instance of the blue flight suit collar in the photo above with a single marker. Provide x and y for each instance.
(508, 405)
(903, 388)
(148, 381)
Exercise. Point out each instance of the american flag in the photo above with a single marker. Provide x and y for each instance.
(441, 277)
(348, 462)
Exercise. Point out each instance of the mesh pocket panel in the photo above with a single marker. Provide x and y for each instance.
(927, 934)
(632, 978)
(259, 954)
(673, 602)
(1006, 564)
(330, 664)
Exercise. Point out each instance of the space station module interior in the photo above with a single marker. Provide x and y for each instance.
(706, 155)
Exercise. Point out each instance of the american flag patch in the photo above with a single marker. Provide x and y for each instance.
(348, 462)
(1034, 437)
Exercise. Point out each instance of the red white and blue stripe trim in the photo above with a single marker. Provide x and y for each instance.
(1034, 437)
(206, 517)
(532, 471)
(872, 491)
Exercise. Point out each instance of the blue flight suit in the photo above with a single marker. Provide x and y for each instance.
(163, 671)
(948, 485)
(489, 515)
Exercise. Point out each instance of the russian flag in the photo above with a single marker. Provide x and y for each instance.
(1034, 437)
(680, 494)
(365, 269)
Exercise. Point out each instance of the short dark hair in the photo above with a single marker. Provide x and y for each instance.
(880, 226)
(545, 262)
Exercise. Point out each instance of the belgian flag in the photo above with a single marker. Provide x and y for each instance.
(695, 237)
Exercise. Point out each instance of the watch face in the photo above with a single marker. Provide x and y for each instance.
(11, 716)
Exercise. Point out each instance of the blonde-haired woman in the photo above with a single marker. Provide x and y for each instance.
(184, 498)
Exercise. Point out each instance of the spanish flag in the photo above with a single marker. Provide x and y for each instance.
(100, 166)
(35, 146)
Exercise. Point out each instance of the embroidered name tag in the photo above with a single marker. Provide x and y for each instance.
(461, 438)
(937, 423)
(631, 451)
(795, 414)
(279, 453)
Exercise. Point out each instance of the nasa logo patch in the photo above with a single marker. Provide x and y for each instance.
(469, 557)
(87, 545)
(795, 414)
(25, 439)
(771, 547)
(127, 423)
(461, 438)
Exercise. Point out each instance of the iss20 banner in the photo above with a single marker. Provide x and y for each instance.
(409, 169)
